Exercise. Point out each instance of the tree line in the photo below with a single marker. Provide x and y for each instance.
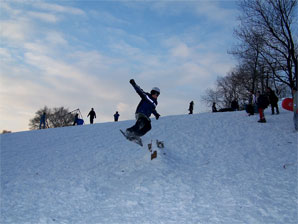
(266, 52)
(55, 117)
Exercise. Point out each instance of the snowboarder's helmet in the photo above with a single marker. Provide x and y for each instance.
(155, 90)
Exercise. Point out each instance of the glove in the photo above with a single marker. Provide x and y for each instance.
(132, 82)
(157, 116)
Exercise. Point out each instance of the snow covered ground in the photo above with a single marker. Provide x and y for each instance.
(215, 168)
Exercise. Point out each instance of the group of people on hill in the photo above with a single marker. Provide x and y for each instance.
(148, 103)
(234, 107)
(261, 102)
(77, 120)
(92, 115)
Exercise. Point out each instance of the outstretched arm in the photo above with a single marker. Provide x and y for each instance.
(157, 115)
(138, 89)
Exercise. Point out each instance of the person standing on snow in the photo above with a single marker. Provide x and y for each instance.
(76, 118)
(214, 109)
(190, 109)
(92, 115)
(42, 121)
(252, 101)
(235, 105)
(262, 103)
(273, 100)
(295, 107)
(144, 110)
(116, 116)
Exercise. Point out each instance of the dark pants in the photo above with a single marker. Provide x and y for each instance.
(250, 109)
(274, 105)
(141, 127)
(43, 123)
(91, 120)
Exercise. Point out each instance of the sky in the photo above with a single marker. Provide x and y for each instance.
(82, 54)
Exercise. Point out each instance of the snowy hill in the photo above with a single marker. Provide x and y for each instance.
(215, 168)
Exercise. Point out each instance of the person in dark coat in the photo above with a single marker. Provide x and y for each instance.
(116, 116)
(145, 108)
(235, 105)
(190, 109)
(92, 115)
(42, 123)
(76, 118)
(214, 109)
(273, 99)
(262, 103)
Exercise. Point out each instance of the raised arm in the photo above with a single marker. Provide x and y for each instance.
(138, 89)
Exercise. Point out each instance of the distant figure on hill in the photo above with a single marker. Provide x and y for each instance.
(214, 109)
(262, 103)
(92, 115)
(273, 100)
(116, 116)
(250, 108)
(190, 109)
(76, 118)
(42, 123)
(235, 105)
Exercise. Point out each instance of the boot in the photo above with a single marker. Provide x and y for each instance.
(263, 120)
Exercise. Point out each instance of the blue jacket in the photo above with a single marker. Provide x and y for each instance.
(147, 105)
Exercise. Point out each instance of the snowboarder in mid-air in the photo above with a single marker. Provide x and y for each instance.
(144, 110)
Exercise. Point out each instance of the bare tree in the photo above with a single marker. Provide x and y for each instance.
(267, 26)
(56, 117)
(211, 96)
(235, 85)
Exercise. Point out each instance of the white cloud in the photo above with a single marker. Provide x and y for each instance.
(15, 30)
(58, 8)
(55, 38)
(181, 50)
(47, 17)
(5, 54)
(108, 18)
(214, 12)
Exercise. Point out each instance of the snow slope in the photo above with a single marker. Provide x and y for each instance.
(215, 168)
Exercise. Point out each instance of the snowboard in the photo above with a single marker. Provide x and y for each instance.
(136, 140)
(287, 104)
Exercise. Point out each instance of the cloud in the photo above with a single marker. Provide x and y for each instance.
(47, 17)
(49, 61)
(58, 8)
(180, 51)
(5, 55)
(14, 30)
(56, 38)
(108, 18)
(214, 12)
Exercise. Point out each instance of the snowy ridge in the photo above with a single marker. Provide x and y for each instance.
(215, 168)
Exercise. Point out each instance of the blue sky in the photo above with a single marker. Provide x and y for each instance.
(82, 54)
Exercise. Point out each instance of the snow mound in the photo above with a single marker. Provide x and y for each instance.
(215, 168)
